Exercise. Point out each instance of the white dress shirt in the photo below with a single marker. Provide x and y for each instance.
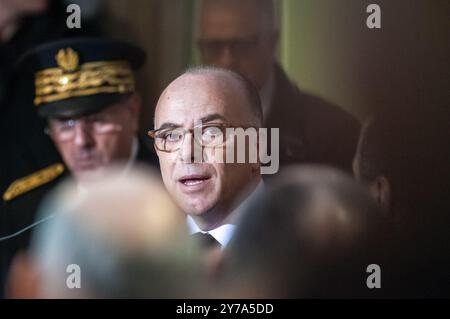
(224, 232)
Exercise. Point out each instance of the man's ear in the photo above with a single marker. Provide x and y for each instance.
(23, 279)
(381, 190)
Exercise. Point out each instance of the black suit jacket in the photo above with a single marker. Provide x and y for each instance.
(312, 130)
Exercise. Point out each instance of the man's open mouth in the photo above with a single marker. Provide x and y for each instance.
(193, 180)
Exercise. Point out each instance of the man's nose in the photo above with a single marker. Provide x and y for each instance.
(189, 148)
(83, 135)
(226, 58)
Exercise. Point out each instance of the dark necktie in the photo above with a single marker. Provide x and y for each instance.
(206, 241)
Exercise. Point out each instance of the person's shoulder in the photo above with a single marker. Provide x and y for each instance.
(318, 108)
(32, 182)
(312, 109)
(285, 89)
(21, 201)
(301, 100)
(329, 131)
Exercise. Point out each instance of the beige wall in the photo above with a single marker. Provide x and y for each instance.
(327, 49)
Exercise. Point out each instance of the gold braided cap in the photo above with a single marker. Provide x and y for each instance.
(70, 79)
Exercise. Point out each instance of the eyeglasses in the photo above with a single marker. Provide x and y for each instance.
(238, 47)
(100, 123)
(209, 135)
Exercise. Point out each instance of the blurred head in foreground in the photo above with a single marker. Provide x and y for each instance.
(403, 159)
(109, 243)
(312, 236)
(403, 156)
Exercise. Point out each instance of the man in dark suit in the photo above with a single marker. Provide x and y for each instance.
(85, 90)
(241, 35)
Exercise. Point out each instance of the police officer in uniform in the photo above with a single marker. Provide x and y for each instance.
(85, 89)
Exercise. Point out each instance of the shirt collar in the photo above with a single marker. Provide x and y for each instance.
(224, 232)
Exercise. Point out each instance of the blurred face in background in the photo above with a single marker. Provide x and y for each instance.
(235, 35)
(205, 190)
(16, 8)
(12, 10)
(91, 143)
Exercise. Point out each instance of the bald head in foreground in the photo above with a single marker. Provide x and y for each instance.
(312, 235)
(102, 244)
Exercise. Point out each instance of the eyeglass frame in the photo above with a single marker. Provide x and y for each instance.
(239, 46)
(152, 134)
(88, 121)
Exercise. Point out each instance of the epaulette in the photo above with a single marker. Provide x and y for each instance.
(33, 181)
